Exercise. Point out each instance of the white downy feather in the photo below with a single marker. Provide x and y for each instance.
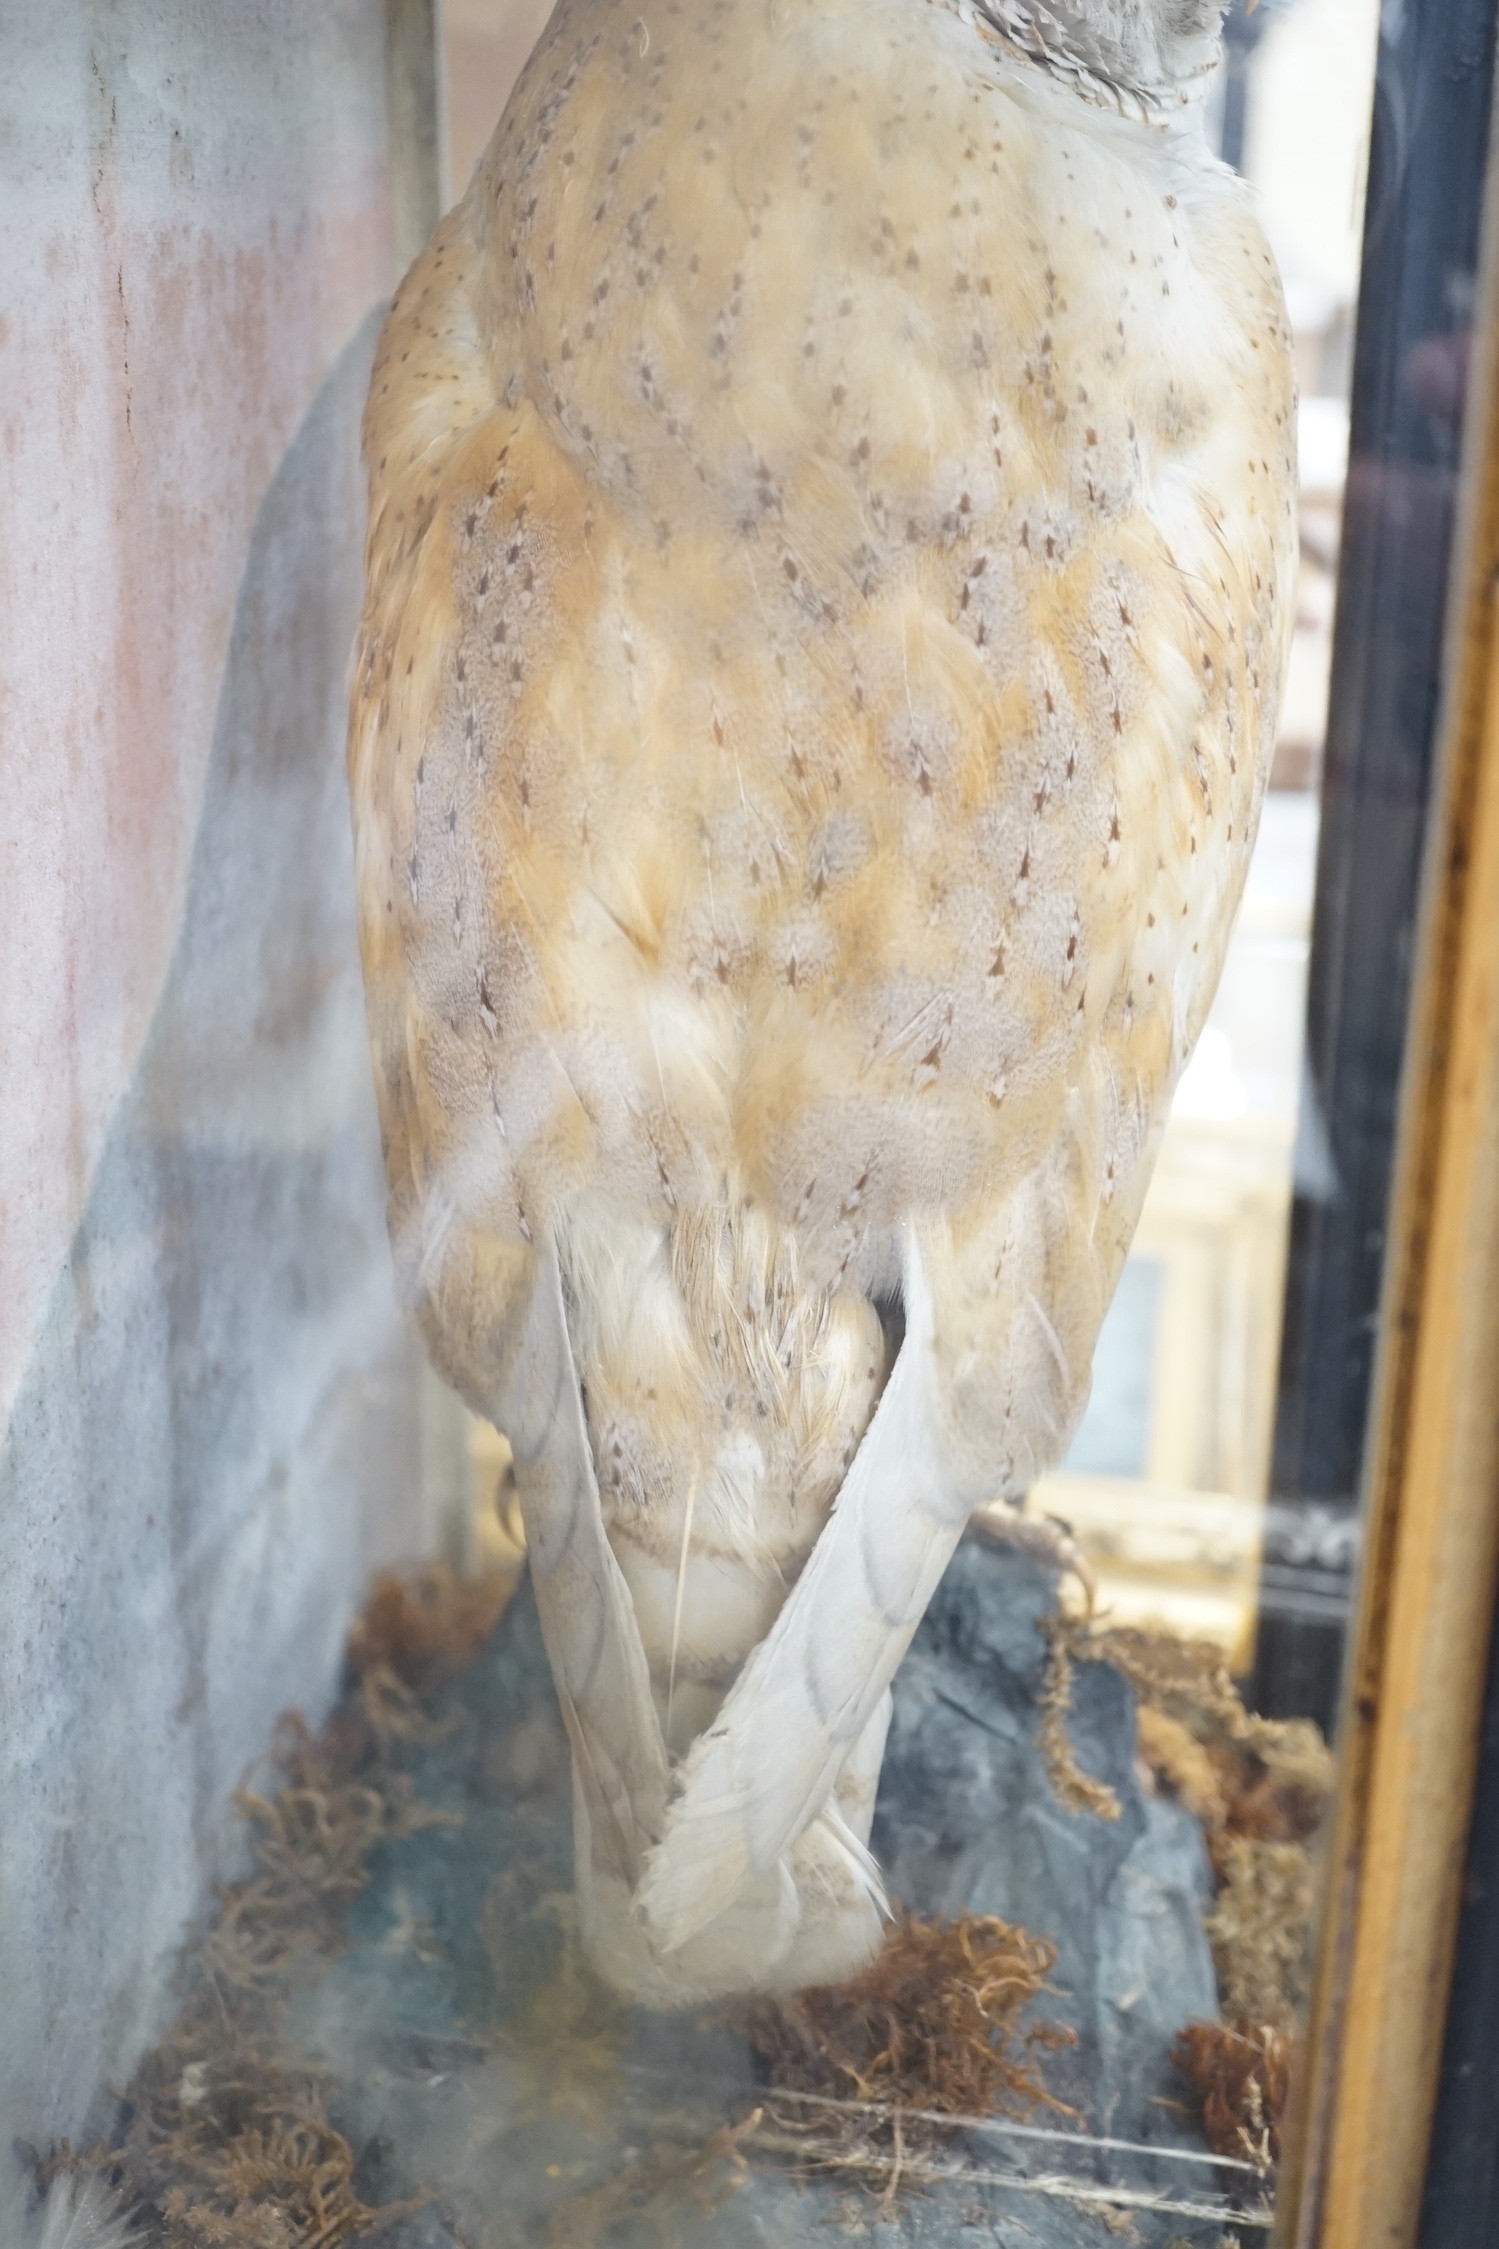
(76, 2213)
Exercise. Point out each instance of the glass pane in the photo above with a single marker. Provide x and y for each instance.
(1431, 123)
(1113, 1437)
(750, 1145)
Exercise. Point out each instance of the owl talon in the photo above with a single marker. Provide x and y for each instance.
(1048, 1540)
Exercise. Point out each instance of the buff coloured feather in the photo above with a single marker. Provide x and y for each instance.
(828, 585)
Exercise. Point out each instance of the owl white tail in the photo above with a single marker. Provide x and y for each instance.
(746, 1867)
(762, 1775)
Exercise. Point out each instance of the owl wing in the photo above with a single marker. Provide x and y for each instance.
(587, 1619)
(764, 1770)
(482, 1280)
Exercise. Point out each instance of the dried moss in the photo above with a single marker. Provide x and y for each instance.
(1260, 1930)
(919, 2029)
(425, 1629)
(1260, 1788)
(1179, 1763)
(1242, 2080)
(1240, 1774)
(1274, 1775)
(224, 2139)
(936, 2022)
(1079, 1791)
(234, 2148)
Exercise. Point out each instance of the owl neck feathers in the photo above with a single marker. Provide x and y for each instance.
(1152, 57)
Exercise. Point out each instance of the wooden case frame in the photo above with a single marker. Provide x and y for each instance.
(1414, 1684)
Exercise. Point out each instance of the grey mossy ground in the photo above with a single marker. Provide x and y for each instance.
(472, 2056)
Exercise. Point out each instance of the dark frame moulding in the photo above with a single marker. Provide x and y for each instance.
(1368, 2125)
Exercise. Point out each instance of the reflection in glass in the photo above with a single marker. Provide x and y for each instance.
(1107, 1815)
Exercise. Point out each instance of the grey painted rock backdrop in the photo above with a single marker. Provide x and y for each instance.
(208, 1433)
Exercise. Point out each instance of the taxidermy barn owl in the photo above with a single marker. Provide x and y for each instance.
(828, 583)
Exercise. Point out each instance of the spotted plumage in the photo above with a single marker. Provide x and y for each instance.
(828, 587)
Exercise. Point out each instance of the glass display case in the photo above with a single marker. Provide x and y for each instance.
(331, 1900)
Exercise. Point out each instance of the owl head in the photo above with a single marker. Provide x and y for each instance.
(1156, 48)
